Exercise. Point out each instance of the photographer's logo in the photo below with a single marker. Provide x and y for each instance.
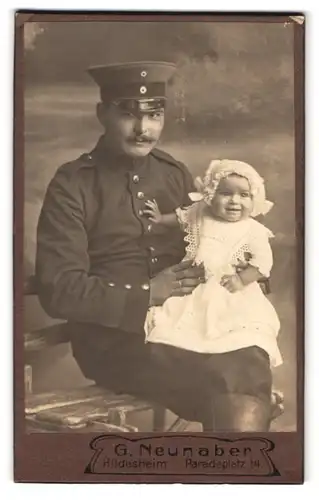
(168, 455)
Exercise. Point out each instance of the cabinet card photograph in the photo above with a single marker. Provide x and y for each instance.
(159, 175)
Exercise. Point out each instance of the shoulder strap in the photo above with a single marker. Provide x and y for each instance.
(72, 168)
(162, 155)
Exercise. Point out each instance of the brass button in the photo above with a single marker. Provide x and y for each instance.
(146, 286)
(152, 249)
(141, 212)
(136, 179)
(149, 228)
(140, 195)
(111, 284)
(143, 89)
(128, 286)
(144, 73)
(154, 260)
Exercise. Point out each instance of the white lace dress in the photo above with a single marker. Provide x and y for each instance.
(211, 319)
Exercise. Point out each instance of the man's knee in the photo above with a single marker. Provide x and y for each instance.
(249, 413)
(238, 413)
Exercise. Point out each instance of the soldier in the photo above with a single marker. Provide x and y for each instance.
(101, 264)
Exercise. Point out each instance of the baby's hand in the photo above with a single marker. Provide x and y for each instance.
(153, 211)
(232, 283)
(242, 264)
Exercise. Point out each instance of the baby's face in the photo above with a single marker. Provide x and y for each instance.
(233, 199)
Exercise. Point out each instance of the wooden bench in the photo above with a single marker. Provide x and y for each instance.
(87, 409)
(92, 408)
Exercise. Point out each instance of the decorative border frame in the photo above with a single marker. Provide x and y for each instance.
(69, 457)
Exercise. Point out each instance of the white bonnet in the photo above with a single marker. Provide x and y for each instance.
(219, 169)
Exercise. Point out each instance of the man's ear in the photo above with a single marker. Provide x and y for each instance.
(101, 113)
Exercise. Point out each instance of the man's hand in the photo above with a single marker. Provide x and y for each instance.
(232, 282)
(176, 281)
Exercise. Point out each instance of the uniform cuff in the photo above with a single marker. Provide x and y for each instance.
(136, 306)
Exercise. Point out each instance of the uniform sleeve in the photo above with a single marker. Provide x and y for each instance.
(262, 257)
(66, 289)
(189, 223)
(188, 187)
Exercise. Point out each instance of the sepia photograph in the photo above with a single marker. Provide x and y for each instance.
(159, 241)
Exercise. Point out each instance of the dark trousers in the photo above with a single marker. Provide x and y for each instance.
(224, 391)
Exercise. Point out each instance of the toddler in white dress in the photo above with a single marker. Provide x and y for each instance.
(229, 311)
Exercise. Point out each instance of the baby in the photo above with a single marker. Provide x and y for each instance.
(229, 311)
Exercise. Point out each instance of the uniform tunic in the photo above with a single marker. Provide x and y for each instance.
(96, 254)
(96, 250)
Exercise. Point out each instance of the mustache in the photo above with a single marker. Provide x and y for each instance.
(141, 138)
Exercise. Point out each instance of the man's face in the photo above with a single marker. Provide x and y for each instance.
(132, 133)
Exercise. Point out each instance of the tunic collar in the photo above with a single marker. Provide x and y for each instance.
(105, 157)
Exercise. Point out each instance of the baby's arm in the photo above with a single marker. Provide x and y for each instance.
(261, 253)
(259, 265)
(235, 282)
(154, 214)
(249, 275)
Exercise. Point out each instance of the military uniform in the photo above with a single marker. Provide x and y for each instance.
(97, 251)
(105, 249)
(96, 255)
